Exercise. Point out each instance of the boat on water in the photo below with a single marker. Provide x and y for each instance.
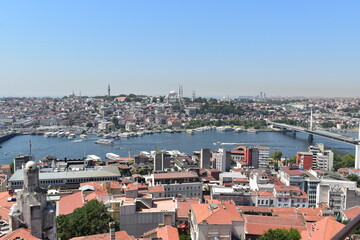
(83, 136)
(47, 134)
(251, 130)
(190, 131)
(61, 134)
(238, 130)
(217, 143)
(224, 129)
(105, 141)
(71, 136)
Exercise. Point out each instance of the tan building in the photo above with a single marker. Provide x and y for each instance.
(140, 215)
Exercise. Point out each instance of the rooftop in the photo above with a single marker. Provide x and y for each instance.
(175, 175)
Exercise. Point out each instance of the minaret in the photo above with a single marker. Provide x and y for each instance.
(311, 120)
(109, 90)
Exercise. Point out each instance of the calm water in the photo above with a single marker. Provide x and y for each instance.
(62, 147)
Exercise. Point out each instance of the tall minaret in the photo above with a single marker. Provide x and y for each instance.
(109, 90)
(311, 120)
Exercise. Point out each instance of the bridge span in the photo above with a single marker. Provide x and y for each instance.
(333, 136)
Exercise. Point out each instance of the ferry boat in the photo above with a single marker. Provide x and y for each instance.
(105, 141)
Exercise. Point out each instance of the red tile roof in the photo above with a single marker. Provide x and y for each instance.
(70, 202)
(258, 225)
(175, 175)
(223, 214)
(351, 213)
(184, 207)
(156, 189)
(4, 200)
(324, 229)
(21, 233)
(293, 172)
(120, 235)
(168, 233)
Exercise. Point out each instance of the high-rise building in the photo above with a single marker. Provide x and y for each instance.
(205, 158)
(222, 159)
(161, 161)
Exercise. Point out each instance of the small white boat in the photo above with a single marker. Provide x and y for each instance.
(83, 136)
(47, 134)
(105, 141)
(71, 136)
(190, 131)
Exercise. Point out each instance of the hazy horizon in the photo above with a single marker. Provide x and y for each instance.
(220, 49)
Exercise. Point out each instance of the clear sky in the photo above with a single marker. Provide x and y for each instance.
(217, 48)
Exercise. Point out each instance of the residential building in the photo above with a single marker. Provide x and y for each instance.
(304, 160)
(216, 221)
(161, 161)
(178, 183)
(21, 160)
(140, 215)
(324, 160)
(222, 160)
(205, 155)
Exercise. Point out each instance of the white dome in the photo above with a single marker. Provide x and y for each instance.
(172, 92)
(30, 165)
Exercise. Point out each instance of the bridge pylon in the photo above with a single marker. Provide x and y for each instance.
(357, 152)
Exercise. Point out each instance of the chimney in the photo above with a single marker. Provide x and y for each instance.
(112, 230)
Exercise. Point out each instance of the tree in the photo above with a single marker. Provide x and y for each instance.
(281, 234)
(292, 160)
(92, 218)
(277, 155)
(89, 124)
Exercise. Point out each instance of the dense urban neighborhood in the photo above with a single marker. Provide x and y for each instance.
(248, 192)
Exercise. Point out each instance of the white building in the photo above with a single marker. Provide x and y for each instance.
(324, 160)
(263, 157)
(178, 183)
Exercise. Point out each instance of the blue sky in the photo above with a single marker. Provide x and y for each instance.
(216, 48)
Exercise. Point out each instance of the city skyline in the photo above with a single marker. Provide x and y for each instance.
(216, 49)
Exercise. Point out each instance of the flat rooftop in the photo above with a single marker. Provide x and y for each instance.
(106, 171)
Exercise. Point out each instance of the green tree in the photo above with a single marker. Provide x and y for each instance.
(92, 218)
(12, 167)
(281, 234)
(292, 159)
(277, 155)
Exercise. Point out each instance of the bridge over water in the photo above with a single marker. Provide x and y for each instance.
(334, 136)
